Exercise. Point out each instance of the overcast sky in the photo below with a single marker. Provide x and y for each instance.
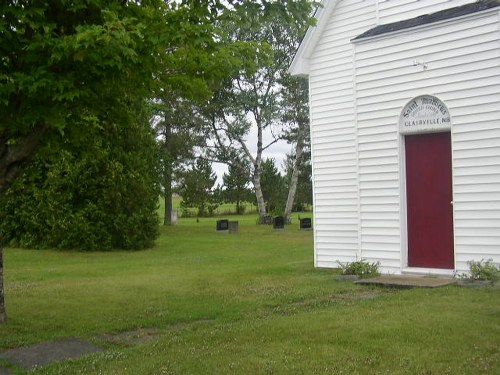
(277, 152)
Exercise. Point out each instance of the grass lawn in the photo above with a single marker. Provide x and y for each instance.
(245, 303)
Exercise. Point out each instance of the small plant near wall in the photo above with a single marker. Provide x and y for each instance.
(483, 270)
(360, 268)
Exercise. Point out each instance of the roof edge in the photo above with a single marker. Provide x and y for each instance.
(300, 63)
(427, 19)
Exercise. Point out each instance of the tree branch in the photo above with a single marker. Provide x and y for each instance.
(16, 153)
(270, 144)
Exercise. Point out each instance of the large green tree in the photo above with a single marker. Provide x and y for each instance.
(203, 59)
(95, 194)
(66, 64)
(179, 129)
(63, 65)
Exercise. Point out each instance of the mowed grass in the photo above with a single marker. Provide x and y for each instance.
(245, 303)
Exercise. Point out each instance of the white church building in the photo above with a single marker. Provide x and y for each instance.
(405, 132)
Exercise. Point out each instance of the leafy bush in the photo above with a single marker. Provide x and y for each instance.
(98, 193)
(196, 189)
(482, 270)
(360, 268)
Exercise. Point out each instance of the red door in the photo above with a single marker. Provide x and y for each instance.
(429, 197)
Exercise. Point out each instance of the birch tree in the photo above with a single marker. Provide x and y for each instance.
(247, 112)
(295, 113)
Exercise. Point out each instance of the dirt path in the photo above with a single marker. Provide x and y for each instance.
(43, 354)
(39, 355)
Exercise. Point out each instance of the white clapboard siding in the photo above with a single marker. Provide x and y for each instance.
(333, 134)
(396, 10)
(477, 189)
(464, 72)
(357, 91)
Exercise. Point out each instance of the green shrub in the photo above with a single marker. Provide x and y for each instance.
(482, 270)
(360, 268)
(100, 193)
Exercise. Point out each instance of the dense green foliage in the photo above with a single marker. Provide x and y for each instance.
(196, 188)
(99, 194)
(273, 187)
(67, 63)
(75, 77)
(74, 80)
(235, 185)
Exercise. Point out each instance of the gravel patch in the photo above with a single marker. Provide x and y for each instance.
(43, 354)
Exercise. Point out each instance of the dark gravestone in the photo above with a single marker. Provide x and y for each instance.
(279, 222)
(305, 223)
(222, 225)
(266, 220)
(233, 227)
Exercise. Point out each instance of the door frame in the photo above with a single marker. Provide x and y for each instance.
(403, 203)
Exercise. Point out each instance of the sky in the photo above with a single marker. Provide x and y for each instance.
(277, 152)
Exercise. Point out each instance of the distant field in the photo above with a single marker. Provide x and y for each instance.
(224, 209)
(244, 303)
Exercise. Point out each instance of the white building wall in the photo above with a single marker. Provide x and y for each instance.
(463, 70)
(397, 10)
(365, 217)
(476, 145)
(333, 134)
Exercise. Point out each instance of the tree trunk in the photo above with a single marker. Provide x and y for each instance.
(293, 187)
(3, 313)
(257, 165)
(167, 173)
(167, 220)
(167, 186)
(261, 204)
(14, 157)
(299, 148)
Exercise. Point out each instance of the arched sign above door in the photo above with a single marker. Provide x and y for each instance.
(424, 114)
